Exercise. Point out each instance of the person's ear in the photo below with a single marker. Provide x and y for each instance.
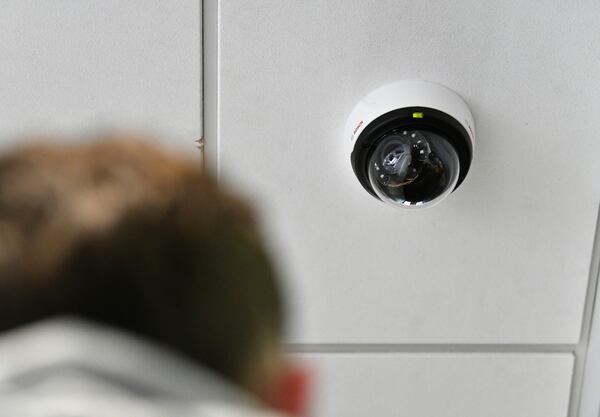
(289, 392)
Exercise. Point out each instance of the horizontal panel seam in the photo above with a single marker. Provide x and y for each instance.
(428, 348)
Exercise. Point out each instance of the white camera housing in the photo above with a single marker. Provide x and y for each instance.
(410, 143)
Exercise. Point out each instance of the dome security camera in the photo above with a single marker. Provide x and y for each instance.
(411, 143)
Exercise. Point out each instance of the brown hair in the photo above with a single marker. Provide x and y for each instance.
(122, 233)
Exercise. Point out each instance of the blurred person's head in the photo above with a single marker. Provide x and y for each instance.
(123, 234)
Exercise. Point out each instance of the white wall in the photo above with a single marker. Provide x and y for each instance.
(72, 67)
(503, 262)
(473, 308)
(448, 385)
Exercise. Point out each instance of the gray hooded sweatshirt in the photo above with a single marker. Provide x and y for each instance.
(71, 368)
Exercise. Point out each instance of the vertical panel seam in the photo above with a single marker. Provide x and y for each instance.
(586, 325)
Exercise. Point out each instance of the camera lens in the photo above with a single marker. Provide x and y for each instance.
(413, 168)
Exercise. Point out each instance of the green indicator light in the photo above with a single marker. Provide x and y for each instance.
(417, 115)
